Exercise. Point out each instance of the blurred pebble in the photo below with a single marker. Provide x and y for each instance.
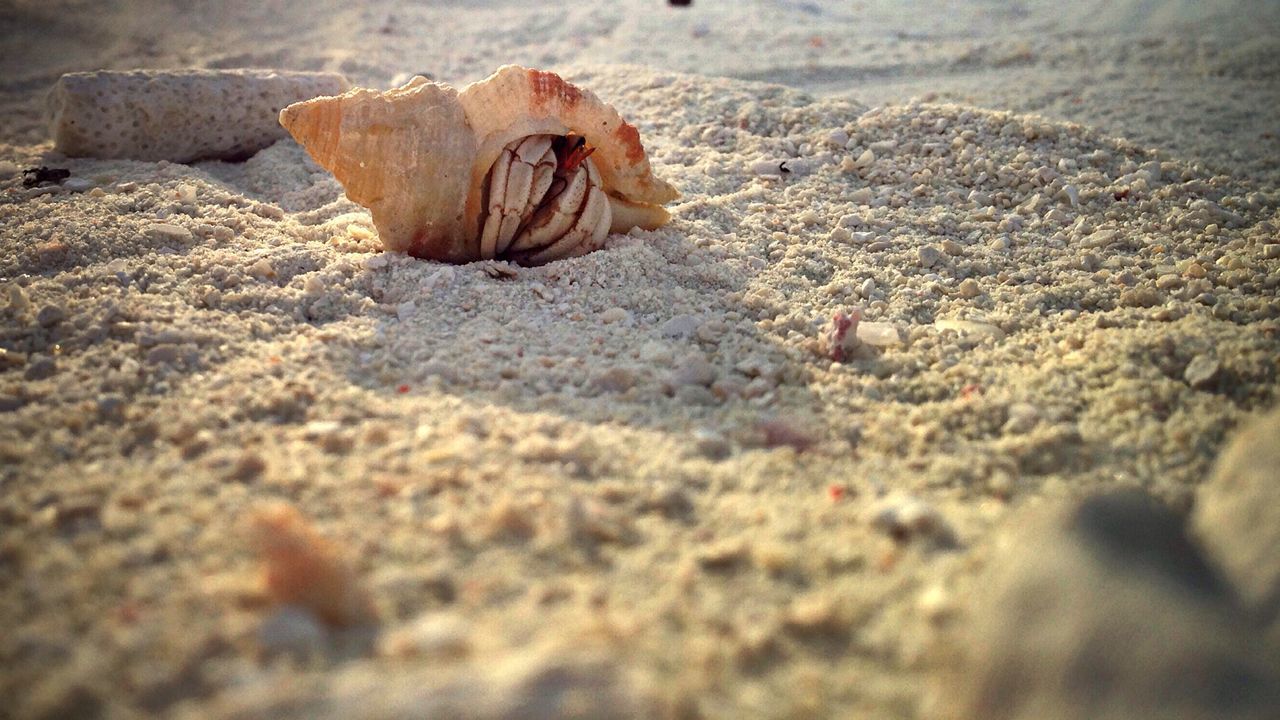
(1202, 372)
(905, 518)
(1022, 417)
(694, 370)
(247, 467)
(879, 334)
(614, 315)
(1237, 513)
(77, 184)
(724, 555)
(781, 432)
(928, 256)
(40, 368)
(615, 380)
(304, 569)
(711, 444)
(50, 315)
(815, 614)
(292, 631)
(667, 500)
(438, 636)
(679, 326)
(970, 327)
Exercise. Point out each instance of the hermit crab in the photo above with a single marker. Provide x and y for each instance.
(520, 166)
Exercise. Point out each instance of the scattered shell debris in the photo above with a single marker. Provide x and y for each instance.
(300, 567)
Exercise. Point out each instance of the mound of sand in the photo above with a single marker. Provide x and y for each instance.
(631, 480)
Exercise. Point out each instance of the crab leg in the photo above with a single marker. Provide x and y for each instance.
(526, 188)
(517, 184)
(497, 193)
(587, 234)
(556, 216)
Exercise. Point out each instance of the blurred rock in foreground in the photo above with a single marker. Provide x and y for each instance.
(1108, 611)
(1238, 516)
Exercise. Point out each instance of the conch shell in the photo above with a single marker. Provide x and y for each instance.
(521, 166)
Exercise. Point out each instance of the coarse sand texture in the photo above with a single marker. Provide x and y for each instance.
(947, 391)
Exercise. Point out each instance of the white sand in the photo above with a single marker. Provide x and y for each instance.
(635, 481)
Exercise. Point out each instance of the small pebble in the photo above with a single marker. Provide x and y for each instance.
(1202, 372)
(249, 466)
(50, 315)
(1111, 601)
(78, 184)
(667, 500)
(879, 334)
(935, 604)
(615, 380)
(169, 231)
(304, 569)
(11, 359)
(970, 327)
(711, 444)
(928, 256)
(614, 315)
(712, 330)
(1140, 297)
(724, 555)
(270, 212)
(904, 518)
(40, 368)
(17, 298)
(435, 636)
(695, 395)
(849, 221)
(694, 370)
(679, 326)
(815, 614)
(1022, 417)
(262, 269)
(781, 432)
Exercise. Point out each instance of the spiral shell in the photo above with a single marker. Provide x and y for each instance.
(521, 165)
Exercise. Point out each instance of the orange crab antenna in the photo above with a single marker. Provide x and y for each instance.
(574, 152)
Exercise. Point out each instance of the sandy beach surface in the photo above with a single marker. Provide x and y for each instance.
(644, 483)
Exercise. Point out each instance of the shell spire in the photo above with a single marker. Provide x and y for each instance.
(405, 154)
(421, 158)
